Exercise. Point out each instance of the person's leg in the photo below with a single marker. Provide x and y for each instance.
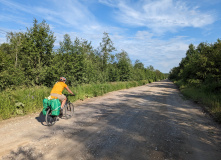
(61, 97)
(63, 100)
(63, 103)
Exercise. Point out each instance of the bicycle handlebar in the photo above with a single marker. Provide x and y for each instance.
(69, 95)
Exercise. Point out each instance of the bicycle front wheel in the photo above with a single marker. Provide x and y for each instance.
(69, 110)
(50, 120)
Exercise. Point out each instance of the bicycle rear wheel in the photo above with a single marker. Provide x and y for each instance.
(50, 120)
(69, 110)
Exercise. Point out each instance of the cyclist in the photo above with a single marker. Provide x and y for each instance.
(57, 91)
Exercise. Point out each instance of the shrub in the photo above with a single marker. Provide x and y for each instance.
(23, 100)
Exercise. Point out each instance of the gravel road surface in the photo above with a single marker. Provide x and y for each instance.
(150, 122)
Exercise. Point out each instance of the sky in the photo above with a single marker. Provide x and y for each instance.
(156, 32)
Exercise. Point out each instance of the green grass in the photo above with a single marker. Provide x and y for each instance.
(24, 100)
(21, 101)
(211, 101)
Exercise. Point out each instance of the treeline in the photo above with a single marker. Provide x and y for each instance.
(201, 67)
(29, 59)
(199, 76)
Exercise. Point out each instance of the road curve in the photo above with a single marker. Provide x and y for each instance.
(150, 122)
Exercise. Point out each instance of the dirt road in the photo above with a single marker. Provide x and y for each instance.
(151, 122)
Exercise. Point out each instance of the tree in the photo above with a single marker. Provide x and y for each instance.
(139, 70)
(29, 59)
(138, 65)
(66, 47)
(16, 40)
(124, 66)
(106, 47)
(200, 67)
(37, 49)
(10, 75)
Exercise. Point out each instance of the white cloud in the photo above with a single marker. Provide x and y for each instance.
(15, 7)
(69, 13)
(144, 35)
(162, 54)
(110, 3)
(155, 17)
(161, 15)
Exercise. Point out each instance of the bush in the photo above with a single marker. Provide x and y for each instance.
(25, 100)
(22, 101)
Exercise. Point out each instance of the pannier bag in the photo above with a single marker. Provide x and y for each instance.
(55, 107)
(54, 104)
(45, 106)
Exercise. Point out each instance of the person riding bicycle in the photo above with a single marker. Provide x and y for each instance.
(57, 91)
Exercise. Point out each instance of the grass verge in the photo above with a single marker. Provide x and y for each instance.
(24, 100)
(209, 100)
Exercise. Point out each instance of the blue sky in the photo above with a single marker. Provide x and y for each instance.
(156, 32)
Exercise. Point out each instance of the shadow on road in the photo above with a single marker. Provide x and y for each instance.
(142, 124)
(24, 153)
(41, 118)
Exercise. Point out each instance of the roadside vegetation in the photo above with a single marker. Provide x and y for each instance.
(199, 76)
(25, 100)
(29, 67)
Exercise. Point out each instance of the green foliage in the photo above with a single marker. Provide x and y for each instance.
(124, 66)
(37, 49)
(28, 55)
(210, 100)
(201, 66)
(106, 47)
(199, 75)
(23, 100)
(28, 59)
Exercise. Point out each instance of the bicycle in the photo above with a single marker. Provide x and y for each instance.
(50, 119)
(68, 112)
(68, 108)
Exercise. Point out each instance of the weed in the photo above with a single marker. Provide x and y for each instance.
(21, 101)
